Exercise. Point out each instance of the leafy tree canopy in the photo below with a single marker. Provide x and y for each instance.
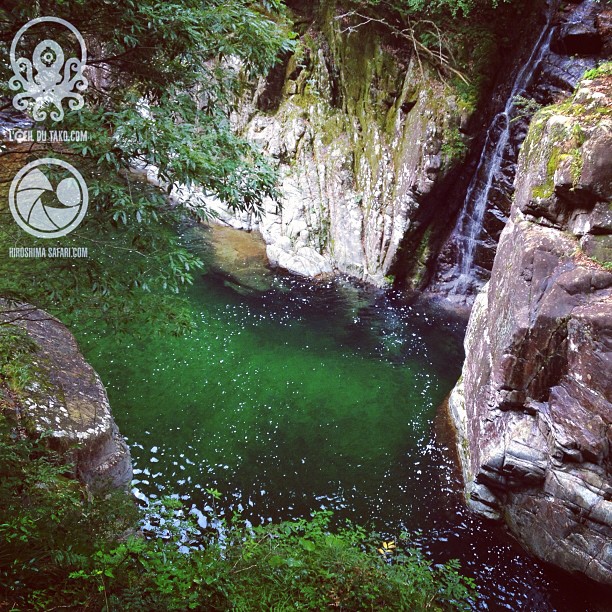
(163, 79)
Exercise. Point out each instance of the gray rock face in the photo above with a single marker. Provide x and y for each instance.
(358, 133)
(533, 408)
(69, 399)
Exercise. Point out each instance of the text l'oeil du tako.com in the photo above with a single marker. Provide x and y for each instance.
(20, 136)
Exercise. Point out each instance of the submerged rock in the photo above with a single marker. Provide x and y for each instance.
(239, 257)
(69, 400)
(533, 409)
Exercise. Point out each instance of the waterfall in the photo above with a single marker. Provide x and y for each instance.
(470, 222)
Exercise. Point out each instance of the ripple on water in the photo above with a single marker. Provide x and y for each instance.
(291, 396)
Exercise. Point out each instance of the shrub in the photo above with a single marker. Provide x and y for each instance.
(16, 350)
(61, 547)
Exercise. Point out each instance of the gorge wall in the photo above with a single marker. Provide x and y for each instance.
(368, 137)
(361, 132)
(533, 408)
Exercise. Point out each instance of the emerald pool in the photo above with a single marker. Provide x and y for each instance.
(288, 396)
(292, 395)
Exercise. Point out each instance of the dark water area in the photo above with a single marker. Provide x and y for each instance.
(292, 395)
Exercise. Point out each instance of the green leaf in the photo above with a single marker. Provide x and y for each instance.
(307, 545)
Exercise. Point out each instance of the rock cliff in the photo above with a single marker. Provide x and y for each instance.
(570, 43)
(68, 399)
(362, 130)
(376, 148)
(533, 408)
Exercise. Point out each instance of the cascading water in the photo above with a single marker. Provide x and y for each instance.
(469, 225)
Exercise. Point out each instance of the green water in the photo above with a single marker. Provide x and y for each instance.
(287, 397)
(292, 395)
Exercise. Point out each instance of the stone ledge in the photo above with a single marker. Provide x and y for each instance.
(69, 399)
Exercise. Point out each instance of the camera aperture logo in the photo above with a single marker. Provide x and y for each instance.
(48, 198)
(49, 78)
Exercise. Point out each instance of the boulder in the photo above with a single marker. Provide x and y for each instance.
(69, 400)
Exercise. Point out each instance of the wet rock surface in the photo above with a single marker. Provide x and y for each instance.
(533, 408)
(579, 37)
(69, 400)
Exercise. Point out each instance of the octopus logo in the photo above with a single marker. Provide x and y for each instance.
(48, 198)
(48, 78)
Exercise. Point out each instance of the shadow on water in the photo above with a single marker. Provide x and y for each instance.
(293, 395)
